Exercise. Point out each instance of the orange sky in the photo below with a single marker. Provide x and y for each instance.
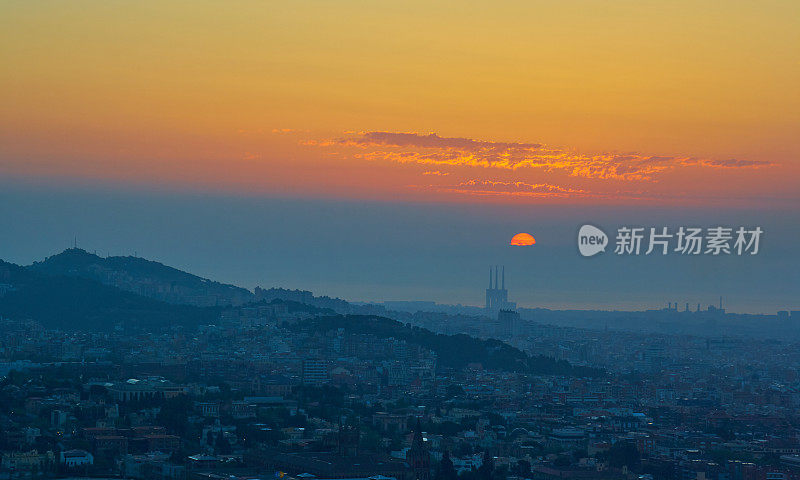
(581, 101)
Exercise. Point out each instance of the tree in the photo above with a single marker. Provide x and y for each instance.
(562, 461)
(454, 390)
(445, 470)
(447, 427)
(495, 419)
(174, 414)
(623, 453)
(222, 446)
(523, 467)
(579, 453)
(486, 470)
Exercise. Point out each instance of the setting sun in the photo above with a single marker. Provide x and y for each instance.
(522, 240)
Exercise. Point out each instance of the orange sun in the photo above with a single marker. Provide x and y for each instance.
(522, 240)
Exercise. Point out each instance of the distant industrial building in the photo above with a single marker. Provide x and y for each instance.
(496, 294)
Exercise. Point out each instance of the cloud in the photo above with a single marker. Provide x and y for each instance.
(431, 140)
(499, 188)
(436, 172)
(288, 130)
(433, 150)
(730, 163)
(262, 131)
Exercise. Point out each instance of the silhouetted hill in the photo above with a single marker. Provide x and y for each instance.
(455, 351)
(143, 277)
(293, 307)
(74, 303)
(302, 296)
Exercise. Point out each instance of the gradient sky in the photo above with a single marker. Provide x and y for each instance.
(515, 107)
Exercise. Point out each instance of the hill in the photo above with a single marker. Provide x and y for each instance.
(455, 351)
(74, 303)
(143, 277)
(65, 291)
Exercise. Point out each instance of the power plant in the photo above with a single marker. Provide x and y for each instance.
(496, 294)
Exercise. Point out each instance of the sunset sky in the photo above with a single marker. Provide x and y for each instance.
(670, 105)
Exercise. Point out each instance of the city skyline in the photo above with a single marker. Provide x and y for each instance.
(249, 240)
(496, 295)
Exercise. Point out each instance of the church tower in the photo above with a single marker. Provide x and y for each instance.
(418, 456)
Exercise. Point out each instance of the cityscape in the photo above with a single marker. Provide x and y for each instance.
(399, 240)
(246, 384)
